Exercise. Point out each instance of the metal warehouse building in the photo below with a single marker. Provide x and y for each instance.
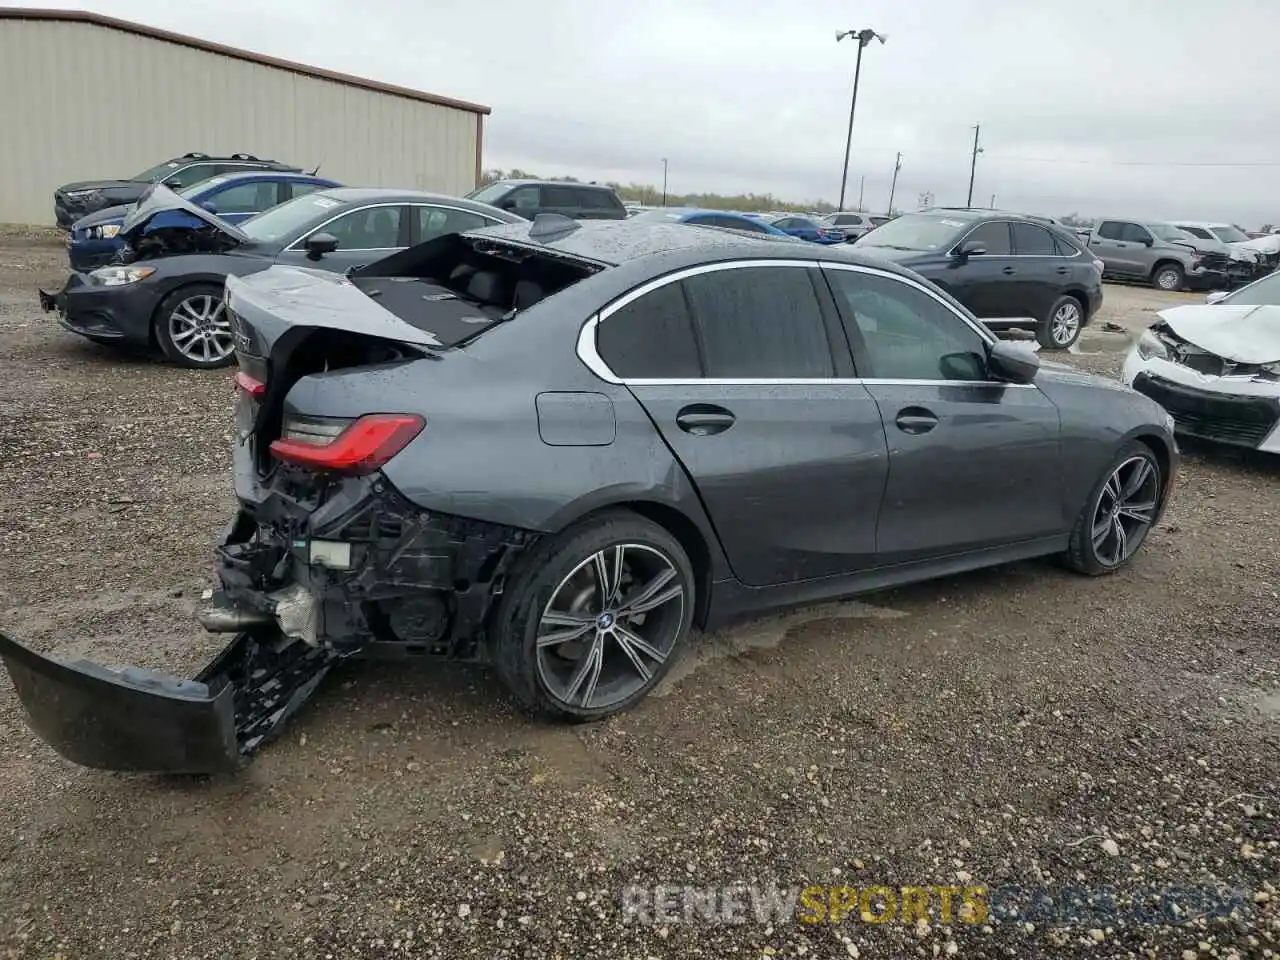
(87, 97)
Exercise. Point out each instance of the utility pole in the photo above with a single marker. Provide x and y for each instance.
(861, 185)
(993, 201)
(897, 165)
(664, 181)
(864, 37)
(973, 162)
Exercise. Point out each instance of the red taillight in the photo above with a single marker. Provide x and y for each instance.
(250, 385)
(363, 447)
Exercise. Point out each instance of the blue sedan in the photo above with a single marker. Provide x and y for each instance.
(235, 197)
(804, 228)
(709, 218)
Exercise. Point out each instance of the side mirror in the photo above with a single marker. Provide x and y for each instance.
(318, 244)
(1011, 363)
(210, 206)
(1216, 296)
(507, 205)
(1148, 242)
(971, 248)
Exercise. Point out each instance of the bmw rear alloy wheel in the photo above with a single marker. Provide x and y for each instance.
(597, 619)
(193, 329)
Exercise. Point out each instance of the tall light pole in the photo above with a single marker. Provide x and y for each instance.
(861, 186)
(973, 162)
(864, 37)
(897, 165)
(664, 181)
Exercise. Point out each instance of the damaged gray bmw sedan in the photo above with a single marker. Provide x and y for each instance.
(559, 447)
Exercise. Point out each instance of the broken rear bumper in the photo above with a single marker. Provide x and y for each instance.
(136, 720)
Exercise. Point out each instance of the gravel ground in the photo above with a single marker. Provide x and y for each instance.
(1015, 729)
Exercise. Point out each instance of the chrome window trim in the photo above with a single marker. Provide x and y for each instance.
(296, 245)
(1018, 256)
(591, 359)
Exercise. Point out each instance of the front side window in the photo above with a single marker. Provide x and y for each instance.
(1200, 232)
(193, 173)
(1133, 233)
(1230, 234)
(759, 322)
(370, 228)
(993, 236)
(244, 197)
(651, 338)
(522, 200)
(1111, 230)
(905, 333)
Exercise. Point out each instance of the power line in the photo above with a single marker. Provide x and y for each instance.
(1145, 163)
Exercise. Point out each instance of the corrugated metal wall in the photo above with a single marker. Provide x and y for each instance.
(80, 102)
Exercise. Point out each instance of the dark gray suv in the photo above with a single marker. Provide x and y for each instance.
(528, 198)
(558, 448)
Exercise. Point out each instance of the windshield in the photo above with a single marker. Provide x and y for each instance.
(290, 218)
(915, 232)
(1230, 234)
(1265, 292)
(1167, 231)
(200, 186)
(490, 193)
(1200, 232)
(156, 173)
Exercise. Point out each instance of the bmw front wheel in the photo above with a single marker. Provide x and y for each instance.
(1119, 513)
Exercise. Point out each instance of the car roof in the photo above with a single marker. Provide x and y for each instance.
(1207, 224)
(361, 194)
(554, 183)
(260, 174)
(618, 242)
(982, 213)
(195, 157)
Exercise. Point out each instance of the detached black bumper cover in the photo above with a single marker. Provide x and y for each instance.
(137, 720)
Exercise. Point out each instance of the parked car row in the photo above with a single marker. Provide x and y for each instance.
(544, 446)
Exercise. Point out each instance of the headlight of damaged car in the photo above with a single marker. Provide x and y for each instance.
(1150, 346)
(120, 276)
(1271, 368)
(104, 232)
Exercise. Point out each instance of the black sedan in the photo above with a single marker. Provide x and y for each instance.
(1011, 271)
(558, 448)
(167, 291)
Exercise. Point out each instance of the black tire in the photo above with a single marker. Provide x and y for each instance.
(1083, 553)
(513, 643)
(1062, 325)
(1168, 276)
(200, 298)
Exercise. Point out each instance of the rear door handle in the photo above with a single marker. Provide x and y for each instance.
(916, 420)
(704, 419)
(1007, 271)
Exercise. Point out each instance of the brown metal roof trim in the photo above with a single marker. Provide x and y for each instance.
(111, 23)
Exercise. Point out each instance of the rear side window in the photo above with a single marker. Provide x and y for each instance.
(1064, 247)
(759, 322)
(1032, 241)
(597, 199)
(651, 338)
(559, 197)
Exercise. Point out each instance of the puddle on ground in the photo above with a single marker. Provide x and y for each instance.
(762, 634)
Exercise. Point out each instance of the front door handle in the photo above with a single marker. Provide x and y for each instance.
(1008, 271)
(916, 420)
(1064, 270)
(704, 419)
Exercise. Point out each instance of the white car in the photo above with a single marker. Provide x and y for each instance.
(1215, 367)
(1224, 238)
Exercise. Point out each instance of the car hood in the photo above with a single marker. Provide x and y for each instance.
(115, 187)
(1264, 245)
(114, 214)
(159, 198)
(893, 253)
(282, 298)
(1053, 371)
(1245, 334)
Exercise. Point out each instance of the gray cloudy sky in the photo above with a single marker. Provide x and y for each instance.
(1086, 106)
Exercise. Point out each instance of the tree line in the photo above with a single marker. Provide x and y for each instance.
(649, 195)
